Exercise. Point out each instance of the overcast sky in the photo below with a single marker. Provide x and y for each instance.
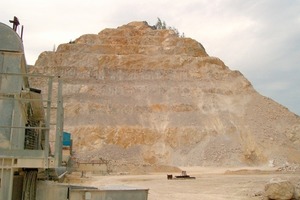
(260, 38)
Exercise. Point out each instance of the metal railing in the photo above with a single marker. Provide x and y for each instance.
(49, 124)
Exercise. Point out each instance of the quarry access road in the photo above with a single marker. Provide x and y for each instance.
(210, 183)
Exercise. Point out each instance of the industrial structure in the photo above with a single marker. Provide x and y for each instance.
(31, 133)
(26, 122)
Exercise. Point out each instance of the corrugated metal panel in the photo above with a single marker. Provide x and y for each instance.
(31, 139)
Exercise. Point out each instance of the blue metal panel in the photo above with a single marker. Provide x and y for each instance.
(66, 139)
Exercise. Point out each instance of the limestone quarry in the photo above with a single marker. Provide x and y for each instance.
(146, 99)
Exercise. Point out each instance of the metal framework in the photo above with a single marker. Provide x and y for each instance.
(35, 152)
(26, 123)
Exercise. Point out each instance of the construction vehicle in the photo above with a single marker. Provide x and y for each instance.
(31, 133)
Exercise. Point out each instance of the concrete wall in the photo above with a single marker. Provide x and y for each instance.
(122, 194)
(47, 190)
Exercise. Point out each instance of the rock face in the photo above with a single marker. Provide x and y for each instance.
(140, 96)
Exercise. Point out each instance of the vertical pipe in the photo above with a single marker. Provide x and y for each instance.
(12, 125)
(48, 117)
(7, 174)
(11, 178)
(22, 32)
(59, 125)
(1, 174)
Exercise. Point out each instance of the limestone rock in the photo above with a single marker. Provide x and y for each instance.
(134, 94)
(279, 190)
(297, 191)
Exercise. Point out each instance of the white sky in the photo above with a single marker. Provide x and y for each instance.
(259, 38)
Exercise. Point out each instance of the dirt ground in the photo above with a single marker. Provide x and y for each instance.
(210, 183)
